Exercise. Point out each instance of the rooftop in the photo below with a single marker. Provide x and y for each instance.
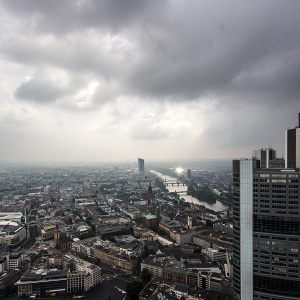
(150, 217)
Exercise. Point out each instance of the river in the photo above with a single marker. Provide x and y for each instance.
(218, 206)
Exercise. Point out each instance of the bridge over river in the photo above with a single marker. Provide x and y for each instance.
(173, 182)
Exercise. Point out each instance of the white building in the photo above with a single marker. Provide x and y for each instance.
(11, 216)
(76, 282)
(215, 254)
(13, 261)
(182, 237)
(179, 290)
(11, 233)
(92, 272)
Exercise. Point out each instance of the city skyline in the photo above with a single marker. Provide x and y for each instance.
(166, 80)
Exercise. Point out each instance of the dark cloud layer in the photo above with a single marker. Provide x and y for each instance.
(182, 52)
(62, 17)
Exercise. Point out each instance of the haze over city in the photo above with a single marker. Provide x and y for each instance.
(117, 80)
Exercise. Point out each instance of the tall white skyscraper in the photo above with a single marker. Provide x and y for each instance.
(266, 232)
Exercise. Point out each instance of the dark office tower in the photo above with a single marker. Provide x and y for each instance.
(266, 229)
(141, 165)
(292, 146)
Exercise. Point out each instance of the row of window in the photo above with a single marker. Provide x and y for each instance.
(266, 175)
(276, 258)
(275, 212)
(269, 284)
(285, 196)
(276, 206)
(272, 180)
(280, 186)
(268, 191)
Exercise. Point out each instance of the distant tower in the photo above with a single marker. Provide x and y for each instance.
(157, 213)
(150, 195)
(189, 222)
(141, 164)
(178, 208)
(150, 188)
(292, 146)
(56, 237)
(189, 174)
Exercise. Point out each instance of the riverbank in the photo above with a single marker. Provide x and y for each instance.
(216, 206)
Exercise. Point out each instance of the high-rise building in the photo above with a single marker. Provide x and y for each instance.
(292, 146)
(141, 165)
(266, 231)
(264, 156)
(189, 174)
(243, 229)
(267, 158)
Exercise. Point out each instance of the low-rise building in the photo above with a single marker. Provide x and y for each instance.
(125, 257)
(169, 225)
(182, 237)
(154, 264)
(14, 260)
(91, 271)
(216, 254)
(40, 281)
(175, 271)
(7, 281)
(209, 242)
(47, 232)
(132, 212)
(12, 216)
(73, 276)
(180, 291)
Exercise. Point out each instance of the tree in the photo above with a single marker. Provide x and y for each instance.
(145, 276)
(209, 223)
(198, 250)
(133, 290)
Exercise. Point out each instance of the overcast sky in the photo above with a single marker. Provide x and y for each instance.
(90, 80)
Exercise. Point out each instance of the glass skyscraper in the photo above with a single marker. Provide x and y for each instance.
(141, 165)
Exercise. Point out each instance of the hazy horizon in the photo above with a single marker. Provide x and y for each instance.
(185, 164)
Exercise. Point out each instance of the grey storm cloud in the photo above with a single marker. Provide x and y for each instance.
(62, 17)
(40, 88)
(181, 52)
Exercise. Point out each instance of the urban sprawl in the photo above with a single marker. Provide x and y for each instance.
(67, 230)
